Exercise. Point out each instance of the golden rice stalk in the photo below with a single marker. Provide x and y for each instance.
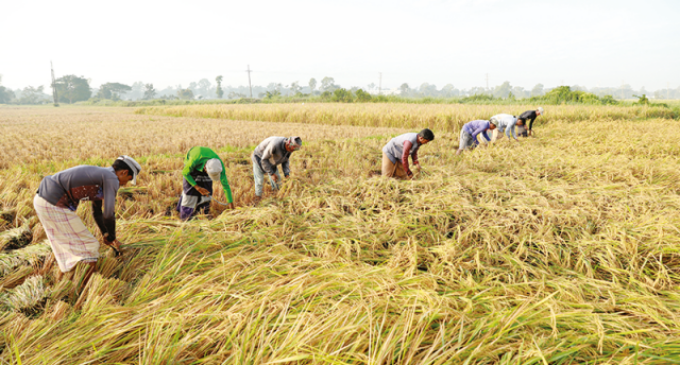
(16, 277)
(16, 238)
(28, 298)
(29, 255)
(59, 310)
(6, 218)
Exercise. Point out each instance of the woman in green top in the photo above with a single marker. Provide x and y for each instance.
(202, 166)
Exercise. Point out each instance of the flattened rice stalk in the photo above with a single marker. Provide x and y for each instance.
(16, 237)
(28, 298)
(567, 253)
(29, 255)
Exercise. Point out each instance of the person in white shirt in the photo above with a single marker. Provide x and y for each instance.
(506, 123)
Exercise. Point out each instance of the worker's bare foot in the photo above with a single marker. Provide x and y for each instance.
(257, 200)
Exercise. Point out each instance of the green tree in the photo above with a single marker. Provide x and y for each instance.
(185, 94)
(203, 88)
(312, 85)
(448, 90)
(72, 88)
(272, 94)
(219, 90)
(343, 96)
(328, 84)
(362, 96)
(519, 92)
(428, 90)
(642, 100)
(113, 90)
(404, 89)
(503, 90)
(537, 90)
(6, 95)
(149, 92)
(137, 91)
(295, 88)
(32, 95)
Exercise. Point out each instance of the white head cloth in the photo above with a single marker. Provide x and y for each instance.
(214, 168)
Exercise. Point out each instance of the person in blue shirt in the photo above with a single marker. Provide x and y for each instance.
(470, 131)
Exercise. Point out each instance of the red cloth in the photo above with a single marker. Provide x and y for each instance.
(405, 154)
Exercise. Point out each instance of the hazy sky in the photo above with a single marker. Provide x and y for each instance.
(171, 42)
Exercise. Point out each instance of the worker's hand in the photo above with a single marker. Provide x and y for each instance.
(274, 178)
(530, 133)
(418, 168)
(287, 176)
(115, 245)
(201, 190)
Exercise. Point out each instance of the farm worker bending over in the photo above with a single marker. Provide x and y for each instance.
(529, 115)
(470, 131)
(56, 203)
(397, 151)
(506, 123)
(202, 166)
(272, 152)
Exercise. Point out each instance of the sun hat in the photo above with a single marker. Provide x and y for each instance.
(133, 165)
(540, 110)
(214, 168)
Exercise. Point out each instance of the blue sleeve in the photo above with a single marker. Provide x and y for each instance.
(474, 136)
(476, 132)
(486, 136)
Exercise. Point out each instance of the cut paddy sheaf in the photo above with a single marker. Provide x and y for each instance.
(563, 249)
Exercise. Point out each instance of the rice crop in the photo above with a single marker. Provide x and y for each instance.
(27, 298)
(561, 249)
(16, 238)
(439, 116)
(29, 255)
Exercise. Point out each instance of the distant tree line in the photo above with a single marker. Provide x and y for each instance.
(73, 88)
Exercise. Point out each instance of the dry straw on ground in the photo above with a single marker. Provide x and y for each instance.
(562, 249)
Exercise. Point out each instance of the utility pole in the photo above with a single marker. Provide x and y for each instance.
(54, 86)
(249, 84)
(487, 82)
(380, 83)
(623, 95)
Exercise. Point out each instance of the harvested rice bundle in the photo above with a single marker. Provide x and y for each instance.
(28, 298)
(16, 277)
(31, 255)
(6, 218)
(16, 237)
